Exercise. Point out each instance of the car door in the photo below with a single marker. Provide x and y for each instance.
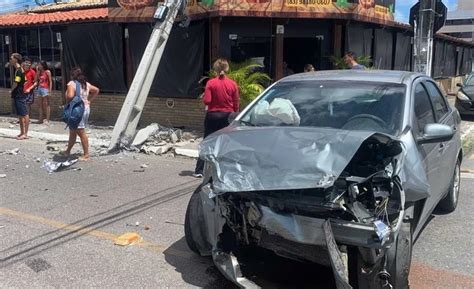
(423, 115)
(447, 150)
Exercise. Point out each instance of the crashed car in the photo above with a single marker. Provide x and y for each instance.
(340, 168)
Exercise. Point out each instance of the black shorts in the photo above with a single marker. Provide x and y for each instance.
(30, 98)
(20, 106)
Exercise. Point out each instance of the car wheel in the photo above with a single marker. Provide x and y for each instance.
(398, 262)
(195, 228)
(449, 203)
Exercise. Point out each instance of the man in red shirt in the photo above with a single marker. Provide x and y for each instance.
(221, 98)
(30, 76)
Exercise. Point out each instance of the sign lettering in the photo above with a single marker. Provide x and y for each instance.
(308, 3)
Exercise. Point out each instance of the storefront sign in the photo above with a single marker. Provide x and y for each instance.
(308, 3)
(142, 10)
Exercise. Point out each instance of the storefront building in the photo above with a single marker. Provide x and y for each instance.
(107, 38)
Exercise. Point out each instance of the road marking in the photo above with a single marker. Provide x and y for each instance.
(156, 248)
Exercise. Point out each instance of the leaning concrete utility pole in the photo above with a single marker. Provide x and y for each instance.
(426, 17)
(127, 121)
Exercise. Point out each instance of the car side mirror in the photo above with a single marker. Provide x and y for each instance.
(435, 132)
(459, 84)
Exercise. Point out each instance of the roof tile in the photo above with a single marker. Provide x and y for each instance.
(21, 19)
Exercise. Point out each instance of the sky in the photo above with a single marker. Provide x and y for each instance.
(402, 7)
(7, 6)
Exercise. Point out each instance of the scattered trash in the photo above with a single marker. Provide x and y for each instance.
(11, 126)
(27, 166)
(2, 226)
(144, 166)
(77, 169)
(146, 228)
(38, 160)
(139, 171)
(94, 196)
(52, 166)
(137, 223)
(127, 239)
(173, 223)
(2, 176)
(52, 148)
(13, 152)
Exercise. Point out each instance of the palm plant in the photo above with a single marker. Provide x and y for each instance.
(250, 80)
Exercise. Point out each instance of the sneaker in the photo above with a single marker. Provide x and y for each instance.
(196, 175)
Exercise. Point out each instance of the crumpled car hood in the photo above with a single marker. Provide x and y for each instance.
(277, 158)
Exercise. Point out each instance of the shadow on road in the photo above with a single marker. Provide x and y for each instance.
(261, 266)
(186, 173)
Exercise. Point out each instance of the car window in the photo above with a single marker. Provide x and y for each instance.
(437, 99)
(470, 81)
(349, 105)
(423, 109)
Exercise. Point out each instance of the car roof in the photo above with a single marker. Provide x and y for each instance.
(389, 76)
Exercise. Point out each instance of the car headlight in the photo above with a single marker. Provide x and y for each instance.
(462, 96)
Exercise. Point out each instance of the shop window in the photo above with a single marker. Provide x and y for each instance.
(4, 63)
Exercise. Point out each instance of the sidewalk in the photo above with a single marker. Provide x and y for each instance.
(99, 136)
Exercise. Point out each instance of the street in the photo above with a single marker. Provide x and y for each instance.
(57, 230)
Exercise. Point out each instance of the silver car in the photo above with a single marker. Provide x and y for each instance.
(340, 168)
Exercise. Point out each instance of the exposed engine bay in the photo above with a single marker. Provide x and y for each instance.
(358, 206)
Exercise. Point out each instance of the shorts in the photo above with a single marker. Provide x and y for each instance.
(20, 106)
(43, 91)
(85, 118)
(30, 98)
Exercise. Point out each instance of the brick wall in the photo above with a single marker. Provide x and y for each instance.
(172, 112)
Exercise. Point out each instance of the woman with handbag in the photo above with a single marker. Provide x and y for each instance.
(88, 93)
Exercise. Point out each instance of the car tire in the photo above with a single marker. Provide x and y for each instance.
(449, 203)
(398, 258)
(195, 227)
(188, 231)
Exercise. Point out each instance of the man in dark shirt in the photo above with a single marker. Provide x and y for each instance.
(19, 96)
(350, 60)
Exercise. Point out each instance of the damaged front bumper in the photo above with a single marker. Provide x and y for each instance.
(349, 196)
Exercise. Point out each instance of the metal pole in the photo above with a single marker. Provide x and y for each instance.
(127, 121)
(424, 31)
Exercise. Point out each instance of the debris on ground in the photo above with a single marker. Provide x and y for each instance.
(52, 166)
(52, 148)
(159, 140)
(13, 152)
(2, 176)
(144, 166)
(127, 239)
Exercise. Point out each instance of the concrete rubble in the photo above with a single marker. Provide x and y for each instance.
(159, 140)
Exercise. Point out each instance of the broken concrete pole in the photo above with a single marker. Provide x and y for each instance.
(173, 137)
(192, 153)
(145, 133)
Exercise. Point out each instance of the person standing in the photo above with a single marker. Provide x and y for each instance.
(45, 86)
(221, 97)
(18, 96)
(30, 76)
(88, 93)
(350, 60)
(309, 68)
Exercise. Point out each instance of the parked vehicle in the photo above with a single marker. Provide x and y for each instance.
(465, 96)
(340, 168)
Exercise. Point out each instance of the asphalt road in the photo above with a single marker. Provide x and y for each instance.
(57, 230)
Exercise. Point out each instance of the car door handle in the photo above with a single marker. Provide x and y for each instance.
(441, 147)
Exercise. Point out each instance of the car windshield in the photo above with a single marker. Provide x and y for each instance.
(347, 105)
(470, 81)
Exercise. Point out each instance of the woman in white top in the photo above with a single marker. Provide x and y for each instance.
(88, 94)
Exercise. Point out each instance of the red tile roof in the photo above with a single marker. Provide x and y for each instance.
(62, 17)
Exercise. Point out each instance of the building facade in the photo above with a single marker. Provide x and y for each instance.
(107, 41)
